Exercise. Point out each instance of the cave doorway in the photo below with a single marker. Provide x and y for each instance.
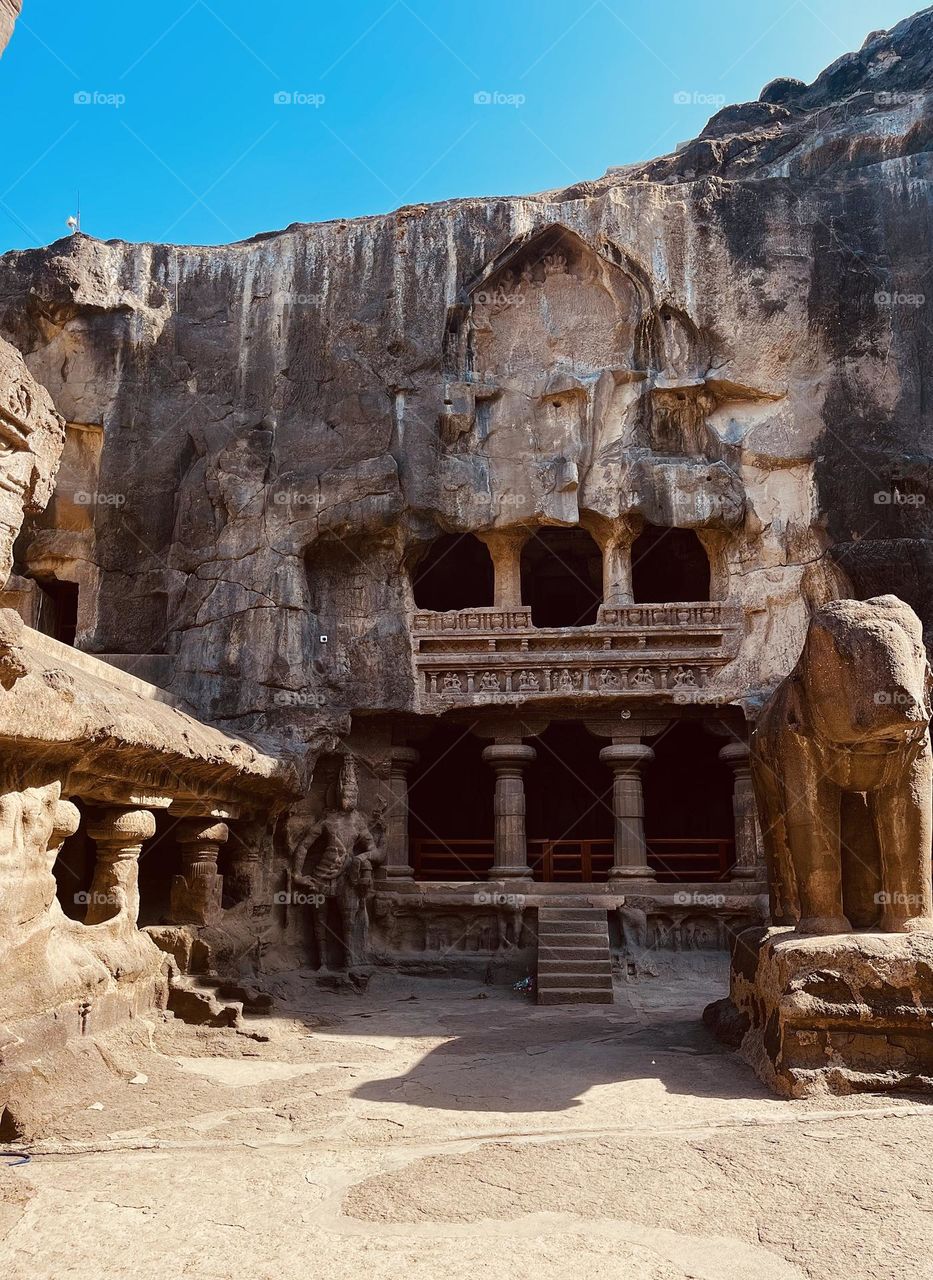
(450, 807)
(455, 573)
(668, 566)
(689, 823)
(562, 578)
(568, 798)
(57, 611)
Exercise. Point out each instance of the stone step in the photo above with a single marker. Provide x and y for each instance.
(571, 913)
(546, 965)
(571, 953)
(594, 940)
(589, 927)
(597, 981)
(574, 995)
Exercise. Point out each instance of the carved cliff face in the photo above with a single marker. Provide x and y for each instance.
(32, 436)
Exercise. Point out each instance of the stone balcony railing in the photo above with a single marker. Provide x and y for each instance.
(474, 657)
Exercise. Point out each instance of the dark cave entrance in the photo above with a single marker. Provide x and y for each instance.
(562, 578)
(568, 797)
(668, 566)
(455, 573)
(689, 824)
(450, 805)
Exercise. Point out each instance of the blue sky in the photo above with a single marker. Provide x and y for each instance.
(183, 138)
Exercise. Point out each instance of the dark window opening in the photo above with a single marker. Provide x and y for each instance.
(58, 609)
(668, 566)
(562, 578)
(450, 799)
(568, 799)
(689, 825)
(74, 869)
(456, 573)
(159, 863)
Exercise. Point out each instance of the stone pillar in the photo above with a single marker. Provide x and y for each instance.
(749, 860)
(625, 759)
(617, 570)
(511, 849)
(396, 866)
(505, 548)
(196, 892)
(244, 867)
(118, 834)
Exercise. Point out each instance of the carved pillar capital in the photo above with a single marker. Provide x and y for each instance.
(119, 834)
(196, 893)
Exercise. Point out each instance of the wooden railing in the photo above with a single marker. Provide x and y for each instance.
(691, 859)
(451, 859)
(572, 861)
(578, 861)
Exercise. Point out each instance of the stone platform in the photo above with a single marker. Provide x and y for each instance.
(841, 1014)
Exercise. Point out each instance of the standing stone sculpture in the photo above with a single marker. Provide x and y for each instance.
(843, 742)
(852, 716)
(337, 857)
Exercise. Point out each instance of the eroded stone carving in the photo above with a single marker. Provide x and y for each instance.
(852, 716)
(336, 859)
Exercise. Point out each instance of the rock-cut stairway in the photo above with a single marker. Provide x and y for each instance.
(574, 961)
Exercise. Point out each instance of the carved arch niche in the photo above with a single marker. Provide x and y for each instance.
(546, 357)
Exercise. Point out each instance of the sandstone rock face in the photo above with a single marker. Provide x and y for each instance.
(733, 339)
(32, 435)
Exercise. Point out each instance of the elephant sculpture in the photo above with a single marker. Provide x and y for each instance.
(842, 774)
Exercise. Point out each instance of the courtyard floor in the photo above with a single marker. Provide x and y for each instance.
(438, 1128)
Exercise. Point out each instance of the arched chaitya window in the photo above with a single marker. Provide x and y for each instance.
(669, 565)
(455, 573)
(562, 578)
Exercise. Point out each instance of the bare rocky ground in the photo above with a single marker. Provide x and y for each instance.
(434, 1128)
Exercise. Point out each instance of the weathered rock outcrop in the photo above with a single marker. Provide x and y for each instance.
(9, 12)
(735, 338)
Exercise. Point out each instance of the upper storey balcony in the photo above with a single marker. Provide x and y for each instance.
(565, 642)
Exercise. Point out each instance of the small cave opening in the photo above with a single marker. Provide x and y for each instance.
(668, 566)
(562, 578)
(450, 807)
(74, 869)
(455, 573)
(689, 823)
(159, 863)
(57, 614)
